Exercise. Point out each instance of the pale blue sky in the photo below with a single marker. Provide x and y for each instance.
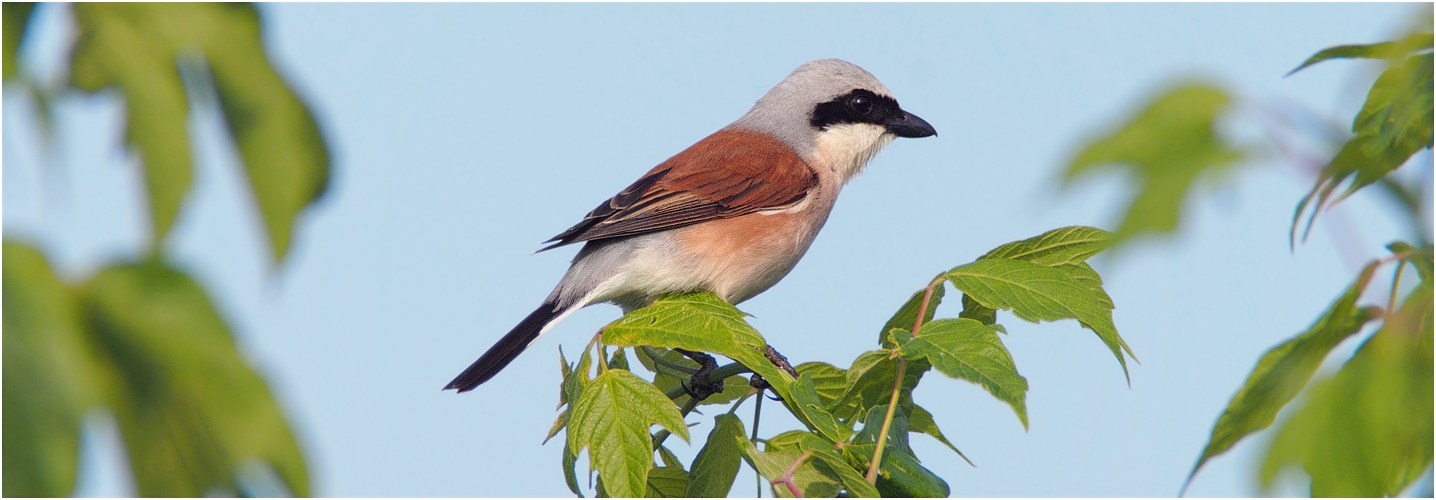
(464, 135)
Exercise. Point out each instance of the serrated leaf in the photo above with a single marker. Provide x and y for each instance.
(807, 402)
(190, 409)
(906, 315)
(666, 482)
(1035, 293)
(920, 420)
(969, 350)
(1383, 50)
(1169, 145)
(570, 476)
(17, 22)
(1367, 432)
(1284, 370)
(830, 382)
(1063, 246)
(50, 376)
(897, 429)
(698, 322)
(870, 383)
(570, 389)
(716, 465)
(1393, 124)
(834, 464)
(611, 420)
(899, 475)
(818, 470)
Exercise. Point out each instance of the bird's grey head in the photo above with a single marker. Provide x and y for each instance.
(833, 97)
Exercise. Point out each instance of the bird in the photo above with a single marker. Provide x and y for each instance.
(732, 214)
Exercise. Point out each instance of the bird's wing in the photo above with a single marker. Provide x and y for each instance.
(727, 174)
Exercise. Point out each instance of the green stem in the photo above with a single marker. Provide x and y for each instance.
(659, 360)
(757, 412)
(872, 476)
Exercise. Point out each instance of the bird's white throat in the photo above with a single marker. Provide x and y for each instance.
(846, 148)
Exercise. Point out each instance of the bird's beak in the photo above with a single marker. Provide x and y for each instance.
(909, 125)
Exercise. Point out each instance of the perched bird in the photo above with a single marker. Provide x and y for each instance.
(731, 214)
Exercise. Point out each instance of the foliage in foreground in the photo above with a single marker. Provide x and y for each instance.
(140, 338)
(1367, 430)
(857, 420)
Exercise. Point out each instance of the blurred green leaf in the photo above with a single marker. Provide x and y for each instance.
(897, 429)
(17, 22)
(118, 47)
(698, 322)
(716, 465)
(969, 350)
(666, 482)
(1383, 50)
(139, 47)
(1035, 292)
(50, 376)
(906, 315)
(570, 475)
(190, 408)
(1284, 370)
(611, 419)
(834, 464)
(1367, 432)
(1165, 148)
(919, 420)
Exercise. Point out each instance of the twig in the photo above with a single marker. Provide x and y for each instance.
(872, 476)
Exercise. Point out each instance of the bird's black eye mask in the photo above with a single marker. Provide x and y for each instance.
(858, 106)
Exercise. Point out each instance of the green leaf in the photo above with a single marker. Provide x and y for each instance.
(870, 383)
(698, 322)
(899, 475)
(906, 315)
(118, 47)
(716, 465)
(1367, 432)
(190, 409)
(817, 470)
(1393, 124)
(830, 382)
(138, 47)
(619, 360)
(807, 402)
(611, 419)
(570, 476)
(666, 482)
(1419, 258)
(50, 376)
(575, 379)
(1383, 50)
(17, 21)
(284, 153)
(919, 420)
(1036, 292)
(969, 350)
(897, 429)
(1165, 149)
(1063, 246)
(1284, 370)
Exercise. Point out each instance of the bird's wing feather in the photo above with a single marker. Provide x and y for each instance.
(727, 174)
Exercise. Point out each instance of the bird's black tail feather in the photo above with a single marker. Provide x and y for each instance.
(507, 348)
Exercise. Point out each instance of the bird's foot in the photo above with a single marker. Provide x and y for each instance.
(699, 387)
(779, 360)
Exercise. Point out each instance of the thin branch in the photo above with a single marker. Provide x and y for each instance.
(872, 476)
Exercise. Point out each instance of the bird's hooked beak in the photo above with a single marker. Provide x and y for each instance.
(909, 125)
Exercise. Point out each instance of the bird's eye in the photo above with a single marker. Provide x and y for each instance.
(862, 105)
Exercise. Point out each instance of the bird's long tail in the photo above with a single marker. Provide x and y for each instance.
(507, 348)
